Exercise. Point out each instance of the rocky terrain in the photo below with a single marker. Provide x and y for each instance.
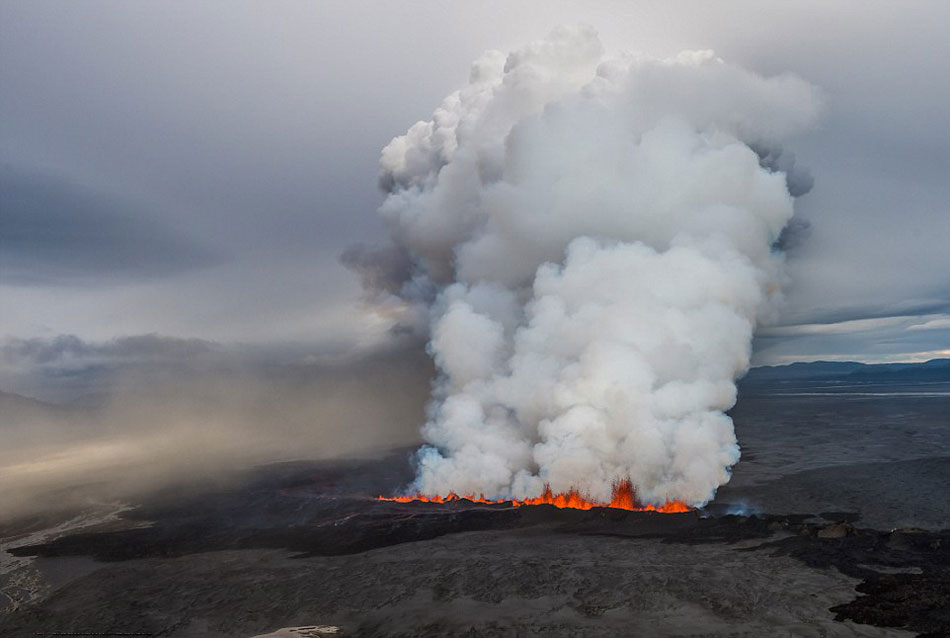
(835, 524)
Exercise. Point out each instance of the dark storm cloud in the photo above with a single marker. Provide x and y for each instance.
(53, 231)
(66, 351)
(912, 307)
(798, 179)
(793, 235)
(381, 267)
(139, 348)
(64, 367)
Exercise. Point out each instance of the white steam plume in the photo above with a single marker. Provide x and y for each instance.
(591, 241)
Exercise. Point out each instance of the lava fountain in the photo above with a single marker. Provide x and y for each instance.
(623, 497)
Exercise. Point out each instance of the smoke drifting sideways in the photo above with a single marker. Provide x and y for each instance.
(194, 420)
(588, 243)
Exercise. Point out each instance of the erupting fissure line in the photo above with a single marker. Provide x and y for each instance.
(624, 497)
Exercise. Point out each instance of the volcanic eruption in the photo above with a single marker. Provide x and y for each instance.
(588, 243)
(623, 497)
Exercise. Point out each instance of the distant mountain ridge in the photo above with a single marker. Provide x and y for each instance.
(933, 371)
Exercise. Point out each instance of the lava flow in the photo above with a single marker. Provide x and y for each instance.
(623, 498)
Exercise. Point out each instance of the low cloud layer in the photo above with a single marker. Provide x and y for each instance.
(913, 337)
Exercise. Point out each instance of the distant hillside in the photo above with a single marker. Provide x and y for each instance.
(852, 372)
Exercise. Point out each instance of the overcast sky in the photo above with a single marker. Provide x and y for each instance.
(194, 170)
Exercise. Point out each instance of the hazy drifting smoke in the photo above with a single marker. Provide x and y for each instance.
(591, 244)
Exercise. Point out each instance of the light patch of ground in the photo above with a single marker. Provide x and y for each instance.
(20, 581)
(307, 631)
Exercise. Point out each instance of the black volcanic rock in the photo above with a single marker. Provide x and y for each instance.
(323, 511)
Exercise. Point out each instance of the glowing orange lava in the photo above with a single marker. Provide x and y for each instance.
(623, 498)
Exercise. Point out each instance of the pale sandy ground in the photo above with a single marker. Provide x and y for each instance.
(307, 631)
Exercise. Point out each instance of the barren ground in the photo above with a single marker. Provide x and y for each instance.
(823, 484)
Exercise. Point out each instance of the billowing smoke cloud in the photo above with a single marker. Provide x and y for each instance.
(591, 243)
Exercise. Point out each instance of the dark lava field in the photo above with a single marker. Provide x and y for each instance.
(835, 524)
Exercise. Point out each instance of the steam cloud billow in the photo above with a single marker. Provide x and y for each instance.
(591, 244)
